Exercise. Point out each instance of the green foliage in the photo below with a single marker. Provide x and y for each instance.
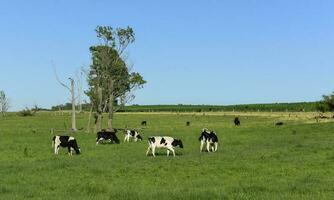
(275, 107)
(109, 66)
(327, 104)
(254, 161)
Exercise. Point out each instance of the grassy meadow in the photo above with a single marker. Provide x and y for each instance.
(254, 161)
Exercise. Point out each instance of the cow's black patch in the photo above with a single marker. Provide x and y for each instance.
(151, 140)
(204, 136)
(139, 137)
(132, 133)
(236, 121)
(162, 141)
(177, 142)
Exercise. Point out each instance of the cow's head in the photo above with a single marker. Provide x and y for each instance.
(78, 150)
(177, 142)
(139, 137)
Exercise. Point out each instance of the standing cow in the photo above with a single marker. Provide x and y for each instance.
(132, 134)
(105, 135)
(236, 121)
(210, 139)
(66, 142)
(166, 142)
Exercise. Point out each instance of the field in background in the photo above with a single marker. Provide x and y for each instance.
(254, 161)
(269, 107)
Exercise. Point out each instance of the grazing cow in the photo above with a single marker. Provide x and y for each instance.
(65, 141)
(163, 142)
(211, 140)
(144, 123)
(236, 121)
(132, 134)
(105, 135)
(188, 124)
(279, 123)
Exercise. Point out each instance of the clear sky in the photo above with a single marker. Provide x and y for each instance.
(190, 52)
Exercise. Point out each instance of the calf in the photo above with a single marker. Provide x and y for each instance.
(211, 140)
(236, 121)
(107, 136)
(188, 124)
(163, 142)
(132, 134)
(144, 123)
(65, 141)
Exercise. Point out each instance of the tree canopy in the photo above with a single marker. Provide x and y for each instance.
(108, 66)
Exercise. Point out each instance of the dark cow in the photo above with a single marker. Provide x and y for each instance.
(236, 121)
(188, 124)
(279, 123)
(66, 142)
(211, 140)
(105, 135)
(163, 142)
(144, 123)
(132, 134)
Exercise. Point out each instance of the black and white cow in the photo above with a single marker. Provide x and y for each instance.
(211, 140)
(163, 142)
(105, 135)
(66, 142)
(132, 134)
(279, 124)
(236, 121)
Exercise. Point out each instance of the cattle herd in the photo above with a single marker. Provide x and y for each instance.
(208, 138)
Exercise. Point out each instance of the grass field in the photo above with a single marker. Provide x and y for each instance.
(254, 161)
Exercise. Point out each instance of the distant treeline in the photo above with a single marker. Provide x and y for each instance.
(271, 107)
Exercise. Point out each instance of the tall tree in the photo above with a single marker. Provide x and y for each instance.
(110, 79)
(4, 103)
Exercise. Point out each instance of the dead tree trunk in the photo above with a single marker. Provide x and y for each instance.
(74, 127)
(111, 104)
(99, 110)
(89, 119)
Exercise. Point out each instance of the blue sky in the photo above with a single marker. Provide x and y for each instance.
(190, 52)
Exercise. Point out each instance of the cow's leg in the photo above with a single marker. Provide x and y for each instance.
(153, 151)
(57, 150)
(171, 149)
(216, 146)
(201, 147)
(208, 146)
(148, 150)
(125, 138)
(69, 151)
(167, 152)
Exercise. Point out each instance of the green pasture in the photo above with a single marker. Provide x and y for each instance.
(254, 161)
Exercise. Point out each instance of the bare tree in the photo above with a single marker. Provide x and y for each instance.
(4, 103)
(71, 89)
